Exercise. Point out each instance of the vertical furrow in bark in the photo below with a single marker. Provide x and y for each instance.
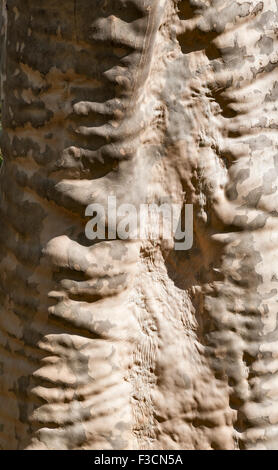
(229, 169)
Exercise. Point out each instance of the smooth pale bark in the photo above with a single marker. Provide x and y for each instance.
(131, 344)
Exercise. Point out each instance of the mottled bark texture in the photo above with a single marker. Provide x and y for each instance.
(122, 344)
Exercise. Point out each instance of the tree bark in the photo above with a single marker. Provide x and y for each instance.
(132, 344)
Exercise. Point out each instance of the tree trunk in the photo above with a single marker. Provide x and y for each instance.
(126, 344)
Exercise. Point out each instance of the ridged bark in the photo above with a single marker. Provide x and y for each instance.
(131, 345)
